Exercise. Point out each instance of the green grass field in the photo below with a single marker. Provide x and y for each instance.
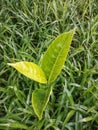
(27, 28)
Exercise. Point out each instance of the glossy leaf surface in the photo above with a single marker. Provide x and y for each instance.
(30, 70)
(55, 56)
(40, 98)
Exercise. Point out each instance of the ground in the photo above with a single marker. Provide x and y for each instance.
(27, 28)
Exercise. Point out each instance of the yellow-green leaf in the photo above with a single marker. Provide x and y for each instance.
(55, 56)
(30, 70)
(40, 98)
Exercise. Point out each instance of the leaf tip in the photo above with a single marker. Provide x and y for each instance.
(73, 30)
(9, 64)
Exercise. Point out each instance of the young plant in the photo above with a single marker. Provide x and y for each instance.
(50, 66)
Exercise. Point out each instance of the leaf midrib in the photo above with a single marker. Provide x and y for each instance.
(55, 63)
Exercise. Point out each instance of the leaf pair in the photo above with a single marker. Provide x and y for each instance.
(51, 65)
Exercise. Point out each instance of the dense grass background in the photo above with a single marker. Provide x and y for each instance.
(27, 27)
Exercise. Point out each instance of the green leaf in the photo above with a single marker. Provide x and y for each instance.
(40, 98)
(86, 119)
(55, 56)
(13, 125)
(30, 70)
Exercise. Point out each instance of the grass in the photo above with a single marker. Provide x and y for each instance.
(26, 30)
